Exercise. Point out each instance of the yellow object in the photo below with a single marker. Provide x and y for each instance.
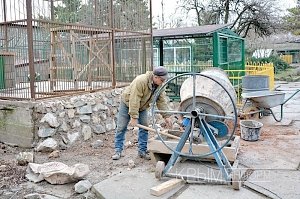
(287, 58)
(251, 69)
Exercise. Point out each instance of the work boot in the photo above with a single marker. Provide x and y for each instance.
(116, 156)
(144, 155)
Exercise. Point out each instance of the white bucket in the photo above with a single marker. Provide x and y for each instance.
(250, 130)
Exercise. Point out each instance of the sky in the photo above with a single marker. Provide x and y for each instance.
(16, 10)
(171, 13)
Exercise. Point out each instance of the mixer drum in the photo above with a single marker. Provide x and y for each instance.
(209, 95)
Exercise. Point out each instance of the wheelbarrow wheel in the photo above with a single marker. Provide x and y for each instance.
(160, 166)
(248, 115)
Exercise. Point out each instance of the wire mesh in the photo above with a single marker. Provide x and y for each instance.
(78, 45)
(185, 55)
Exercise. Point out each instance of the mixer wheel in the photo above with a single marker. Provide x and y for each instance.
(236, 179)
(160, 166)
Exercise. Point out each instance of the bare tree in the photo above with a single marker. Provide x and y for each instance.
(258, 16)
(245, 15)
(193, 6)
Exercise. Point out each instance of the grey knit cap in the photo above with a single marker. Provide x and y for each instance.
(161, 71)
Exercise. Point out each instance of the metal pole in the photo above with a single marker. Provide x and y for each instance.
(112, 57)
(151, 40)
(162, 14)
(161, 51)
(30, 47)
(52, 10)
(96, 15)
(5, 26)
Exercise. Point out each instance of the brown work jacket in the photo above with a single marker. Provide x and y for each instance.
(139, 94)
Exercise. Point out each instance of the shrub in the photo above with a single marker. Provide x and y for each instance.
(279, 64)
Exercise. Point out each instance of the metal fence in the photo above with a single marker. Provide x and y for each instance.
(50, 48)
(235, 77)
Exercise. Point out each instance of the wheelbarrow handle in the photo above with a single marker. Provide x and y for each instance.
(164, 132)
(291, 96)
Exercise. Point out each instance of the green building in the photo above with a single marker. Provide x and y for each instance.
(192, 49)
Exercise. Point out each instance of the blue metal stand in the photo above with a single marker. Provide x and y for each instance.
(220, 157)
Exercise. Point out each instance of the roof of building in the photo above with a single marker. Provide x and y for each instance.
(188, 31)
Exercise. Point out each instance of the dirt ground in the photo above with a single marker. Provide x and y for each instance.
(14, 185)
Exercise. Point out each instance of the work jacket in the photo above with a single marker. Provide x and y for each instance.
(139, 94)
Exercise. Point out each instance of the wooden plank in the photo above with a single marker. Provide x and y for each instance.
(156, 146)
(6, 53)
(165, 187)
(236, 144)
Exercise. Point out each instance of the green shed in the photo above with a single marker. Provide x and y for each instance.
(192, 49)
(7, 70)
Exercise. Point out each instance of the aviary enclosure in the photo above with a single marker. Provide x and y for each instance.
(57, 47)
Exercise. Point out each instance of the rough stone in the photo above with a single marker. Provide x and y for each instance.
(103, 116)
(64, 127)
(76, 124)
(131, 164)
(97, 144)
(86, 132)
(71, 113)
(110, 125)
(69, 106)
(85, 118)
(47, 145)
(54, 154)
(50, 119)
(95, 119)
(85, 110)
(56, 172)
(82, 186)
(100, 107)
(23, 158)
(73, 137)
(62, 114)
(99, 129)
(46, 132)
(79, 103)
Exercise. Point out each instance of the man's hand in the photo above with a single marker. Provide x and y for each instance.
(133, 122)
(168, 122)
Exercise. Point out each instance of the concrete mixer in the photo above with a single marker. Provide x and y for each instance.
(208, 107)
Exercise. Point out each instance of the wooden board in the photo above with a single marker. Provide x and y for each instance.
(165, 187)
(156, 147)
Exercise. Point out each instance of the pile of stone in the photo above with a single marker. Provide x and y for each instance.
(61, 122)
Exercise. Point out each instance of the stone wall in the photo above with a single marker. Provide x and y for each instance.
(58, 122)
(61, 122)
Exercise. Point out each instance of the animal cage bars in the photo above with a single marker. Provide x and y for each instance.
(88, 49)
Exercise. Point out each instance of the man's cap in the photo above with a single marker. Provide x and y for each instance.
(161, 72)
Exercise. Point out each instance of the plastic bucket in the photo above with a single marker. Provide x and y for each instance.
(250, 130)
